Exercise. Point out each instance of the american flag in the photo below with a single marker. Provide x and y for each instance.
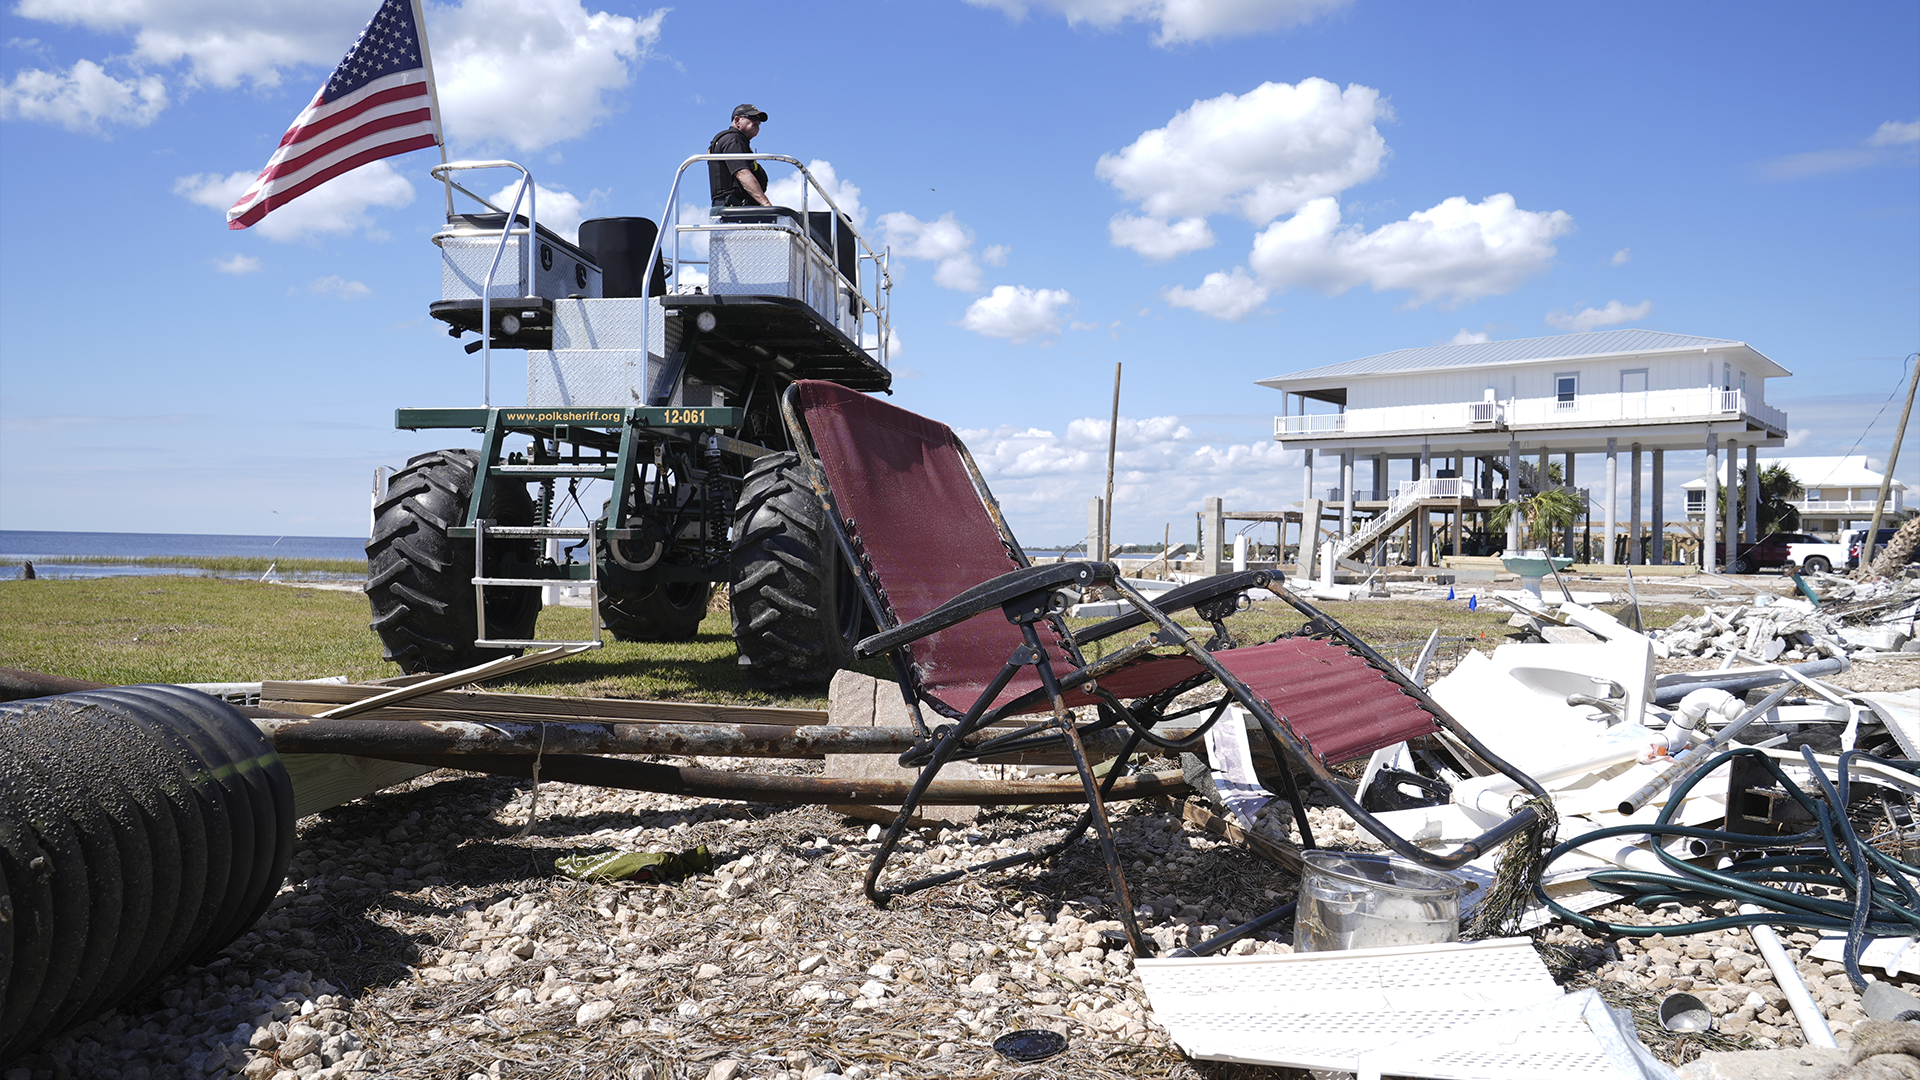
(379, 102)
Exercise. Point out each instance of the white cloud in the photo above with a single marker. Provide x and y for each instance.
(1456, 251)
(1797, 437)
(1469, 337)
(1896, 133)
(237, 264)
(335, 285)
(1017, 313)
(82, 98)
(786, 191)
(524, 73)
(222, 42)
(1587, 319)
(1230, 296)
(339, 206)
(942, 241)
(1165, 466)
(1179, 20)
(1621, 257)
(531, 73)
(1260, 154)
(996, 254)
(1893, 141)
(559, 212)
(1160, 240)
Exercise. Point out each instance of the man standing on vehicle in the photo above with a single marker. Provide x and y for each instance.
(738, 183)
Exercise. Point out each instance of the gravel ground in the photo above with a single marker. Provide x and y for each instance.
(420, 935)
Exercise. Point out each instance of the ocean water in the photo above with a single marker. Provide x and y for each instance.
(26, 545)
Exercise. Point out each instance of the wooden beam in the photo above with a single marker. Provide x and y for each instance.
(291, 695)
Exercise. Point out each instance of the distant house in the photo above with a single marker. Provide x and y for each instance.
(1838, 492)
(1495, 413)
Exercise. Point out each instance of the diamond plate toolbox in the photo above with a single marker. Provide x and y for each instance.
(467, 248)
(598, 357)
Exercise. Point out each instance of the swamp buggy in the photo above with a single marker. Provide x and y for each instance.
(655, 362)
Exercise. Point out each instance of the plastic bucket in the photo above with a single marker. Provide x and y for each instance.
(1357, 901)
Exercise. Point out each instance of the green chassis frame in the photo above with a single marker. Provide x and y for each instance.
(693, 438)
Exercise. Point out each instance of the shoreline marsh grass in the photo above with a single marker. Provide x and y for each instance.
(237, 564)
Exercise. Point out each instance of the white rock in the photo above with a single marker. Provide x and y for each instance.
(301, 1040)
(592, 1013)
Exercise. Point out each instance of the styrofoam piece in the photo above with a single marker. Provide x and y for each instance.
(1324, 1010)
(1893, 954)
(1575, 1037)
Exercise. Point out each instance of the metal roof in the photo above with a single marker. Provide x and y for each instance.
(1523, 351)
(1814, 472)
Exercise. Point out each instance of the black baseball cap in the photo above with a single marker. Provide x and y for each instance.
(750, 111)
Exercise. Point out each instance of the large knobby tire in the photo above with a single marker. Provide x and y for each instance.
(797, 610)
(420, 580)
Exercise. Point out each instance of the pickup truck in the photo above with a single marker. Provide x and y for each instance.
(1770, 552)
(1821, 557)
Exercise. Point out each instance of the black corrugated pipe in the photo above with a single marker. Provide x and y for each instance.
(141, 828)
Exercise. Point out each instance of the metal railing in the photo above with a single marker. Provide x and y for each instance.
(1308, 425)
(824, 260)
(526, 189)
(1653, 405)
(1844, 506)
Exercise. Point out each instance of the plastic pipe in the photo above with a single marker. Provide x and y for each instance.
(1672, 692)
(1685, 762)
(1813, 1022)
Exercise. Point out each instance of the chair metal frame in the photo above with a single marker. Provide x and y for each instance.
(1028, 597)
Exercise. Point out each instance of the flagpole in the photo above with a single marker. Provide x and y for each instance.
(433, 95)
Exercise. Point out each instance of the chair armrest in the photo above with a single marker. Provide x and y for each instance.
(992, 593)
(1179, 599)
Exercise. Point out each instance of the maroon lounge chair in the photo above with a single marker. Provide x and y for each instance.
(975, 635)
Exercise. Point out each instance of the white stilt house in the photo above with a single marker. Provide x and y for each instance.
(1836, 493)
(1453, 430)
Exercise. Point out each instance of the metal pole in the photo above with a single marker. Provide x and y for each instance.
(1113, 437)
(1886, 480)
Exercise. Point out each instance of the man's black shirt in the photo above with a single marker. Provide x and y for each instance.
(726, 189)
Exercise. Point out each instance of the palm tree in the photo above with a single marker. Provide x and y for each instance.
(1540, 514)
(1778, 487)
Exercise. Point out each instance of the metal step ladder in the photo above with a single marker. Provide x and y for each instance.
(483, 528)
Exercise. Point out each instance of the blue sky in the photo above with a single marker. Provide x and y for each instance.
(1207, 191)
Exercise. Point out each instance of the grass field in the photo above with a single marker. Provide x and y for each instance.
(175, 629)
